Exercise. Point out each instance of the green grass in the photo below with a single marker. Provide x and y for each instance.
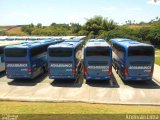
(157, 60)
(73, 108)
(157, 56)
(157, 49)
(71, 111)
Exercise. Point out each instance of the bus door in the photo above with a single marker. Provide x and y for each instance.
(17, 63)
(98, 62)
(140, 61)
(61, 62)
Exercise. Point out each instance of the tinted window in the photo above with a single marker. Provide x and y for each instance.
(60, 52)
(98, 51)
(1, 50)
(39, 50)
(139, 63)
(16, 52)
(119, 50)
(141, 51)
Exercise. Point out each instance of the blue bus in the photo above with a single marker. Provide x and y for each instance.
(97, 40)
(76, 40)
(65, 59)
(27, 60)
(133, 60)
(3, 44)
(97, 60)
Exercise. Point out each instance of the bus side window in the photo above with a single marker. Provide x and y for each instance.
(76, 55)
(120, 51)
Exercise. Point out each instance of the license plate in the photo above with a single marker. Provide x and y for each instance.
(139, 78)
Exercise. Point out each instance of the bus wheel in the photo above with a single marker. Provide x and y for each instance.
(116, 70)
(43, 70)
(111, 82)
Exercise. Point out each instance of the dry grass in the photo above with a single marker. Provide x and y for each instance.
(16, 30)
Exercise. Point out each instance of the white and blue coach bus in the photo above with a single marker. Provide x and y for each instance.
(97, 60)
(65, 59)
(133, 60)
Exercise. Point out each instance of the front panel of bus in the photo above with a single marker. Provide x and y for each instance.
(61, 63)
(17, 63)
(140, 63)
(98, 63)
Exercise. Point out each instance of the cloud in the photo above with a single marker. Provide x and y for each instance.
(153, 2)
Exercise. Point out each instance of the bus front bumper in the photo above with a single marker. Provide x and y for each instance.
(138, 78)
(62, 77)
(20, 76)
(98, 78)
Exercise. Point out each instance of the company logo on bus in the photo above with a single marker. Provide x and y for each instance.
(61, 65)
(140, 67)
(16, 65)
(98, 67)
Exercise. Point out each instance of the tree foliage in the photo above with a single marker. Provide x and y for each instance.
(99, 27)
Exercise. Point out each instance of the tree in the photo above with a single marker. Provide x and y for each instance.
(2, 33)
(39, 25)
(75, 27)
(143, 32)
(97, 23)
(53, 24)
(31, 25)
(154, 35)
(28, 29)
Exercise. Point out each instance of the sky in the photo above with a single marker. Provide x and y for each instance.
(18, 12)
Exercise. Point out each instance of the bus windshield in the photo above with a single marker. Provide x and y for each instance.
(16, 52)
(60, 52)
(98, 51)
(141, 51)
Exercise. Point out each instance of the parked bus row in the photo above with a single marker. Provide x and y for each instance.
(64, 59)
(27, 60)
(2, 38)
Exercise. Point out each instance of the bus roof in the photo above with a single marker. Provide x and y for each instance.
(74, 40)
(97, 44)
(71, 44)
(80, 37)
(6, 43)
(97, 40)
(67, 37)
(128, 42)
(33, 44)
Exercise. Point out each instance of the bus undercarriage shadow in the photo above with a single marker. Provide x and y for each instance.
(74, 83)
(151, 84)
(112, 83)
(28, 82)
(2, 74)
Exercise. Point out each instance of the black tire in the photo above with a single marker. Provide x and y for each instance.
(43, 70)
